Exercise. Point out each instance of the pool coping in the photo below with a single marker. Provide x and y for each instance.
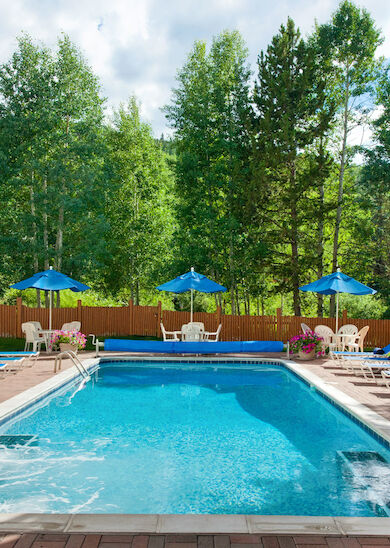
(192, 523)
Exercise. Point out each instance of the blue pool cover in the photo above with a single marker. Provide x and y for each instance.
(179, 347)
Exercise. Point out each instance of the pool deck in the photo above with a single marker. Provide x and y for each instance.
(34, 540)
(191, 531)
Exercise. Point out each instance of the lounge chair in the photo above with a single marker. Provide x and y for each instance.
(169, 335)
(385, 373)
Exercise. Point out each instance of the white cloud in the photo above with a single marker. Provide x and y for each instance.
(136, 46)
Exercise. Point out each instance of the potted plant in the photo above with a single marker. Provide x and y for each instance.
(68, 340)
(307, 345)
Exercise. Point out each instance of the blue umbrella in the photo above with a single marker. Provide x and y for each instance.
(50, 280)
(191, 281)
(336, 283)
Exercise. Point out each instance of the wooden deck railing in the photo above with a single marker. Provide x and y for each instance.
(145, 321)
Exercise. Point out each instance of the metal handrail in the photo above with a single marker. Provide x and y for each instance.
(72, 355)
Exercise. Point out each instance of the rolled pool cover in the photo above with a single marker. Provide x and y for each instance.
(181, 347)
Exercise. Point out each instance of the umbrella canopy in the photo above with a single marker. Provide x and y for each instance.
(336, 283)
(191, 281)
(50, 280)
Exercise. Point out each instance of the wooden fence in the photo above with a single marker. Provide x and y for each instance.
(145, 321)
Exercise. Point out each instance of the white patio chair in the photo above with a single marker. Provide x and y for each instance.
(32, 337)
(305, 328)
(346, 333)
(207, 335)
(327, 335)
(356, 345)
(191, 333)
(71, 326)
(37, 325)
(169, 335)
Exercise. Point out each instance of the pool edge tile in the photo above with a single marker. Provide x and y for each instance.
(317, 525)
(352, 526)
(34, 522)
(204, 523)
(113, 523)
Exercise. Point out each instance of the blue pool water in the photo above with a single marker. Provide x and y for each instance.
(142, 438)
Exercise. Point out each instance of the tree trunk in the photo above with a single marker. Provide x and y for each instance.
(35, 238)
(295, 261)
(238, 311)
(58, 300)
(231, 264)
(320, 258)
(59, 238)
(45, 231)
(258, 306)
(340, 191)
(34, 227)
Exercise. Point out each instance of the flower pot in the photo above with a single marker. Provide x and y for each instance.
(304, 356)
(67, 346)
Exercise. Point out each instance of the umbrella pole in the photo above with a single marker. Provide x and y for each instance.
(192, 304)
(337, 311)
(50, 307)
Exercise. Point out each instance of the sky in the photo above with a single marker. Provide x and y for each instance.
(137, 46)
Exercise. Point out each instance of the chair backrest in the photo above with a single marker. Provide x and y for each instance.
(348, 329)
(71, 326)
(325, 332)
(37, 325)
(362, 334)
(305, 328)
(199, 324)
(30, 331)
(190, 332)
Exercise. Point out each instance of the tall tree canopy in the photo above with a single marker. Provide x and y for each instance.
(289, 96)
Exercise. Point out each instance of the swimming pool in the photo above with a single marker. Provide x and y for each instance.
(178, 438)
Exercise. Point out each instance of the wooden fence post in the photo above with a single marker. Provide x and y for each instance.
(279, 327)
(159, 319)
(345, 317)
(131, 317)
(19, 318)
(79, 312)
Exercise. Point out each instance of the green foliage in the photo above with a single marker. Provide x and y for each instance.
(210, 113)
(256, 188)
(141, 205)
(289, 95)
